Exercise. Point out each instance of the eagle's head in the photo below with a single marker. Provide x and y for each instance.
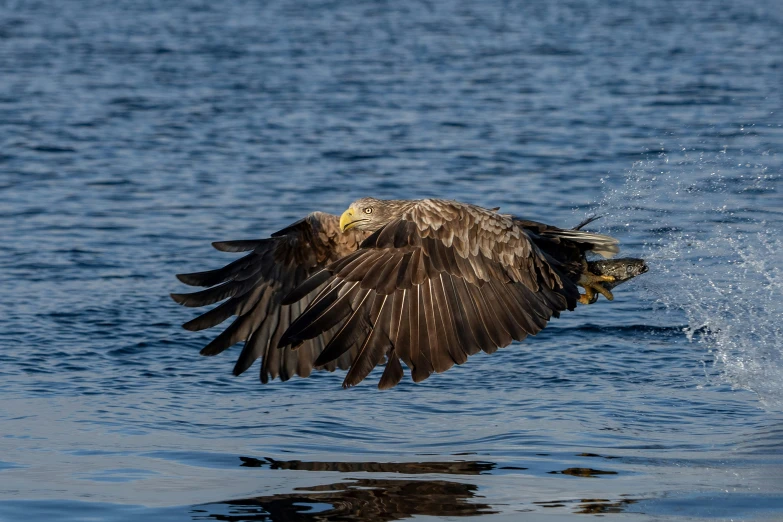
(368, 214)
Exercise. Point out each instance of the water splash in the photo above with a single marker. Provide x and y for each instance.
(715, 258)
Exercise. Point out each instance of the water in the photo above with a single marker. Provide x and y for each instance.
(133, 134)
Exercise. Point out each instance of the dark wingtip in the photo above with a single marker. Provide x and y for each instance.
(321, 360)
(191, 326)
(290, 228)
(291, 297)
(286, 340)
(307, 286)
(209, 351)
(223, 246)
(392, 374)
(185, 300)
(188, 279)
(242, 245)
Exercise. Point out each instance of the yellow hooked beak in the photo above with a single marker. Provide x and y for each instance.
(346, 220)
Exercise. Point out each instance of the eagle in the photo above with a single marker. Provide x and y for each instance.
(424, 282)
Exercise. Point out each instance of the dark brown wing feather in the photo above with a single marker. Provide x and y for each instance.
(442, 282)
(252, 288)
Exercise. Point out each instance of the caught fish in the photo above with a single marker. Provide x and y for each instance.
(621, 270)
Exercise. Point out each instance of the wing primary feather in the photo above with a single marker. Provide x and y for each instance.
(343, 339)
(491, 322)
(352, 263)
(388, 280)
(438, 352)
(252, 350)
(242, 245)
(259, 339)
(377, 343)
(285, 367)
(497, 296)
(341, 263)
(392, 374)
(433, 251)
(216, 293)
(327, 297)
(310, 284)
(478, 326)
(423, 362)
(387, 234)
(359, 270)
(206, 297)
(522, 324)
(413, 327)
(321, 315)
(464, 316)
(418, 268)
(374, 275)
(225, 339)
(445, 319)
(271, 356)
(220, 275)
(400, 329)
(240, 330)
(296, 226)
(403, 272)
(500, 337)
(248, 302)
(213, 317)
(403, 233)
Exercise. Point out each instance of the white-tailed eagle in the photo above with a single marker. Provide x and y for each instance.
(426, 282)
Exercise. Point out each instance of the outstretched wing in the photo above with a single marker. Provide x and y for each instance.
(252, 289)
(441, 283)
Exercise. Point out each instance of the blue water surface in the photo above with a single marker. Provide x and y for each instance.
(134, 133)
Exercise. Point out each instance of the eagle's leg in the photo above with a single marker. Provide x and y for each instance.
(592, 285)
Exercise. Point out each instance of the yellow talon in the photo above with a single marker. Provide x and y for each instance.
(592, 285)
(586, 297)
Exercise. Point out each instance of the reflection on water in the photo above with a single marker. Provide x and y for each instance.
(371, 500)
(591, 506)
(596, 456)
(583, 472)
(410, 468)
(380, 499)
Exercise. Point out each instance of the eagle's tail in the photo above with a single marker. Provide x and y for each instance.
(603, 245)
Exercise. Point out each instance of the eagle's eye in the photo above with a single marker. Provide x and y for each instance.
(368, 210)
